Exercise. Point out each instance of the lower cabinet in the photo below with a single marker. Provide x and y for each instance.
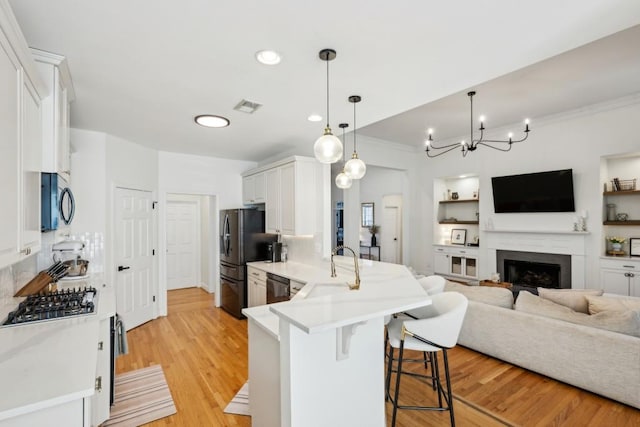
(458, 262)
(620, 276)
(100, 401)
(294, 287)
(257, 287)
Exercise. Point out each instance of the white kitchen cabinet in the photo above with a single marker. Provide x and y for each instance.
(20, 145)
(457, 262)
(31, 153)
(257, 287)
(620, 276)
(290, 198)
(100, 401)
(272, 201)
(9, 154)
(56, 109)
(253, 189)
(294, 287)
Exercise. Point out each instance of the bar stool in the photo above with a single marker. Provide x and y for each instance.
(436, 330)
(432, 284)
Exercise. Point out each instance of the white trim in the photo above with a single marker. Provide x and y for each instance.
(552, 242)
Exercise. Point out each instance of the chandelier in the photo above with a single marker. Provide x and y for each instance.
(472, 144)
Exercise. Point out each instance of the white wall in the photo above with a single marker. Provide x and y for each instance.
(399, 161)
(88, 181)
(574, 140)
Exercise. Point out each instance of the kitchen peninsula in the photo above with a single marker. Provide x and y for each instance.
(318, 359)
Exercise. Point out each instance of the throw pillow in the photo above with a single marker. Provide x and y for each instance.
(624, 322)
(572, 298)
(600, 304)
(499, 297)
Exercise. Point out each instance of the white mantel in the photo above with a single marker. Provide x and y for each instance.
(543, 241)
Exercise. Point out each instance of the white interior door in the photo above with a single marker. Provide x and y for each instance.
(135, 289)
(183, 244)
(391, 230)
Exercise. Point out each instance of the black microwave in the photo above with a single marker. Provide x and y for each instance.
(57, 204)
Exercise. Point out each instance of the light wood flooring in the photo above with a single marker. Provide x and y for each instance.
(203, 351)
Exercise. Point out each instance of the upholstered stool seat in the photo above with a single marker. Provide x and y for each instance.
(434, 332)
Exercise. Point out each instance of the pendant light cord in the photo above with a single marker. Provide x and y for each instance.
(354, 128)
(327, 60)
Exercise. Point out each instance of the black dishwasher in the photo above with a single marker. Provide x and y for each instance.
(277, 288)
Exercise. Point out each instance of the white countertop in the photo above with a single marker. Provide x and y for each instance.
(48, 363)
(327, 303)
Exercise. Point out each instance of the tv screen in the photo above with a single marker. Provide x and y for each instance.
(534, 192)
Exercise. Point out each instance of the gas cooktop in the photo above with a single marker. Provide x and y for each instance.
(54, 305)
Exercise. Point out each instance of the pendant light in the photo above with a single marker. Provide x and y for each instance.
(328, 148)
(355, 167)
(342, 179)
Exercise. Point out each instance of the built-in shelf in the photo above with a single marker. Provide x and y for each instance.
(628, 222)
(462, 200)
(459, 222)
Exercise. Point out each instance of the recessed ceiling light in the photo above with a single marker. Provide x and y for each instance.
(268, 57)
(314, 118)
(211, 121)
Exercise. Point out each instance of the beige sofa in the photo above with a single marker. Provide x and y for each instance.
(598, 360)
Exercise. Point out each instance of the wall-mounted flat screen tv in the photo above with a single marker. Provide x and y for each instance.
(550, 191)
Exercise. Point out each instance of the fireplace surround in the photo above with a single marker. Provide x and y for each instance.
(570, 243)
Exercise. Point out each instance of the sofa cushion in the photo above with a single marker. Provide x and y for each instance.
(625, 322)
(572, 298)
(499, 297)
(598, 304)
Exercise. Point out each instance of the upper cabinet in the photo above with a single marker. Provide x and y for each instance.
(56, 108)
(20, 145)
(253, 189)
(292, 193)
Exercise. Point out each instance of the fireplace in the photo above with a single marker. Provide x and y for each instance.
(530, 270)
(566, 248)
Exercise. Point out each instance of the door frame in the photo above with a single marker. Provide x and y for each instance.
(395, 201)
(110, 263)
(214, 251)
(191, 199)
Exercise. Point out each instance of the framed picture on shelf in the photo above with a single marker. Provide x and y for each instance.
(634, 247)
(459, 236)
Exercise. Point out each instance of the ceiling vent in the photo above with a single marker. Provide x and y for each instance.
(247, 106)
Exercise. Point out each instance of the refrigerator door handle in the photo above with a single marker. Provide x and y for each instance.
(225, 235)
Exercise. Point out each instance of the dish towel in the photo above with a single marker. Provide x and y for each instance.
(121, 347)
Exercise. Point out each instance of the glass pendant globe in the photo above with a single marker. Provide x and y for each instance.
(355, 168)
(328, 148)
(343, 181)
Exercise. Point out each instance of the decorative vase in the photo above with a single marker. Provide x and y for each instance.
(373, 240)
(616, 246)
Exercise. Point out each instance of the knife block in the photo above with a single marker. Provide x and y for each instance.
(38, 284)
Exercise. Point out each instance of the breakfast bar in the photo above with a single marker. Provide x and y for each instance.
(318, 359)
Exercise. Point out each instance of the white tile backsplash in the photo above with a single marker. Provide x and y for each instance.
(302, 249)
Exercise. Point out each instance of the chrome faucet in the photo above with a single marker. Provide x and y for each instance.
(352, 286)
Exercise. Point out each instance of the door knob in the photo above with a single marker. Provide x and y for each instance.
(120, 268)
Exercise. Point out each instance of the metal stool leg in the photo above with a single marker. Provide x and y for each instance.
(398, 374)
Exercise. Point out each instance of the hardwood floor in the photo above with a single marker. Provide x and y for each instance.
(203, 351)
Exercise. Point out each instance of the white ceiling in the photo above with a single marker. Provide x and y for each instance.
(143, 69)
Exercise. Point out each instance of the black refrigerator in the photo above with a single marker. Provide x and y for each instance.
(242, 240)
